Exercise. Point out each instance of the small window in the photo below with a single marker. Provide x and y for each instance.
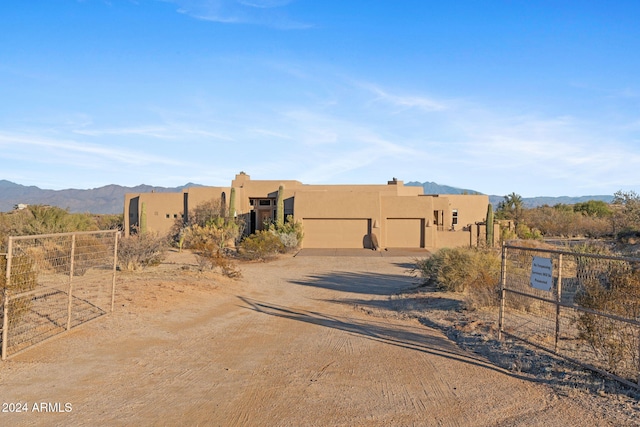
(266, 202)
(252, 202)
(454, 220)
(175, 215)
(168, 216)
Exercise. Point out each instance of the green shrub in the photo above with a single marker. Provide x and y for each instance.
(263, 245)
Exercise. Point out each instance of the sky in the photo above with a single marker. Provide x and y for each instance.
(540, 98)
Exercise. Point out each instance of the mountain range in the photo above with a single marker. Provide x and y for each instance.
(529, 202)
(103, 200)
(110, 198)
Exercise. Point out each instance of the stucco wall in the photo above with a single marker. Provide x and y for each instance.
(162, 210)
(390, 211)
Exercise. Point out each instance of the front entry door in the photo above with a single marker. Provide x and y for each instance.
(264, 216)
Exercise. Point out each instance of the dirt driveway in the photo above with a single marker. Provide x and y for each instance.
(286, 345)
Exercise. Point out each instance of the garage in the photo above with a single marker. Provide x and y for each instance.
(334, 232)
(405, 233)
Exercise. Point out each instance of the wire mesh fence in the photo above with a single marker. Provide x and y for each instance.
(54, 282)
(582, 306)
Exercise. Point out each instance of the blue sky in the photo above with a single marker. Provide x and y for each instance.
(541, 98)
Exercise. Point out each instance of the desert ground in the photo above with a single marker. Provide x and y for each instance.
(325, 340)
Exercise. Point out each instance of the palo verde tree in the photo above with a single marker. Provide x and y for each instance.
(627, 211)
(511, 208)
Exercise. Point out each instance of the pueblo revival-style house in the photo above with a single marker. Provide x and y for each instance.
(332, 216)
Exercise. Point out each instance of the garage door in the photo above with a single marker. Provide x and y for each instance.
(404, 233)
(334, 233)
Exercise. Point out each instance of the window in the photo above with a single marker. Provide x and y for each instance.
(252, 202)
(266, 202)
(454, 220)
(168, 216)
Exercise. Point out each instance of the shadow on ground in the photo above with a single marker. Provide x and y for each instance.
(409, 337)
(360, 283)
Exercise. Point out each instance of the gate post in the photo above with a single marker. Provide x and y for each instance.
(558, 300)
(115, 268)
(5, 302)
(71, 266)
(503, 281)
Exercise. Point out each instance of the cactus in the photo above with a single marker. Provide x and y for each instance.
(489, 225)
(280, 208)
(143, 218)
(232, 203)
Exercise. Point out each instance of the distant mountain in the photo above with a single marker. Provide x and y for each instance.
(529, 202)
(433, 188)
(103, 200)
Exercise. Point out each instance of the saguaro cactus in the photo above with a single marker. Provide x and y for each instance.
(143, 218)
(232, 203)
(280, 207)
(490, 225)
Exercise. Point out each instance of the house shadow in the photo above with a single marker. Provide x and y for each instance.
(359, 283)
(409, 337)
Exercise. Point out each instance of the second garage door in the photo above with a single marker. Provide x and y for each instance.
(404, 233)
(334, 232)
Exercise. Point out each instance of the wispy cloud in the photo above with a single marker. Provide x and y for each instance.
(81, 154)
(267, 13)
(404, 101)
(168, 132)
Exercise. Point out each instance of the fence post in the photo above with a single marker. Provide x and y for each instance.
(503, 281)
(115, 266)
(5, 302)
(71, 266)
(558, 301)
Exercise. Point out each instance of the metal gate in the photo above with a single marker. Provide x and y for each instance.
(580, 305)
(54, 282)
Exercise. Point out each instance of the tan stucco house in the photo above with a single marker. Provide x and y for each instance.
(332, 216)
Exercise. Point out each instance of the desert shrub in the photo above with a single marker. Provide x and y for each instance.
(141, 250)
(218, 261)
(616, 293)
(51, 219)
(209, 244)
(262, 245)
(289, 240)
(40, 219)
(473, 271)
(523, 231)
(209, 222)
(23, 279)
(206, 239)
(586, 219)
(110, 222)
(289, 232)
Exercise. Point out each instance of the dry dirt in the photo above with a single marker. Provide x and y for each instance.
(324, 340)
